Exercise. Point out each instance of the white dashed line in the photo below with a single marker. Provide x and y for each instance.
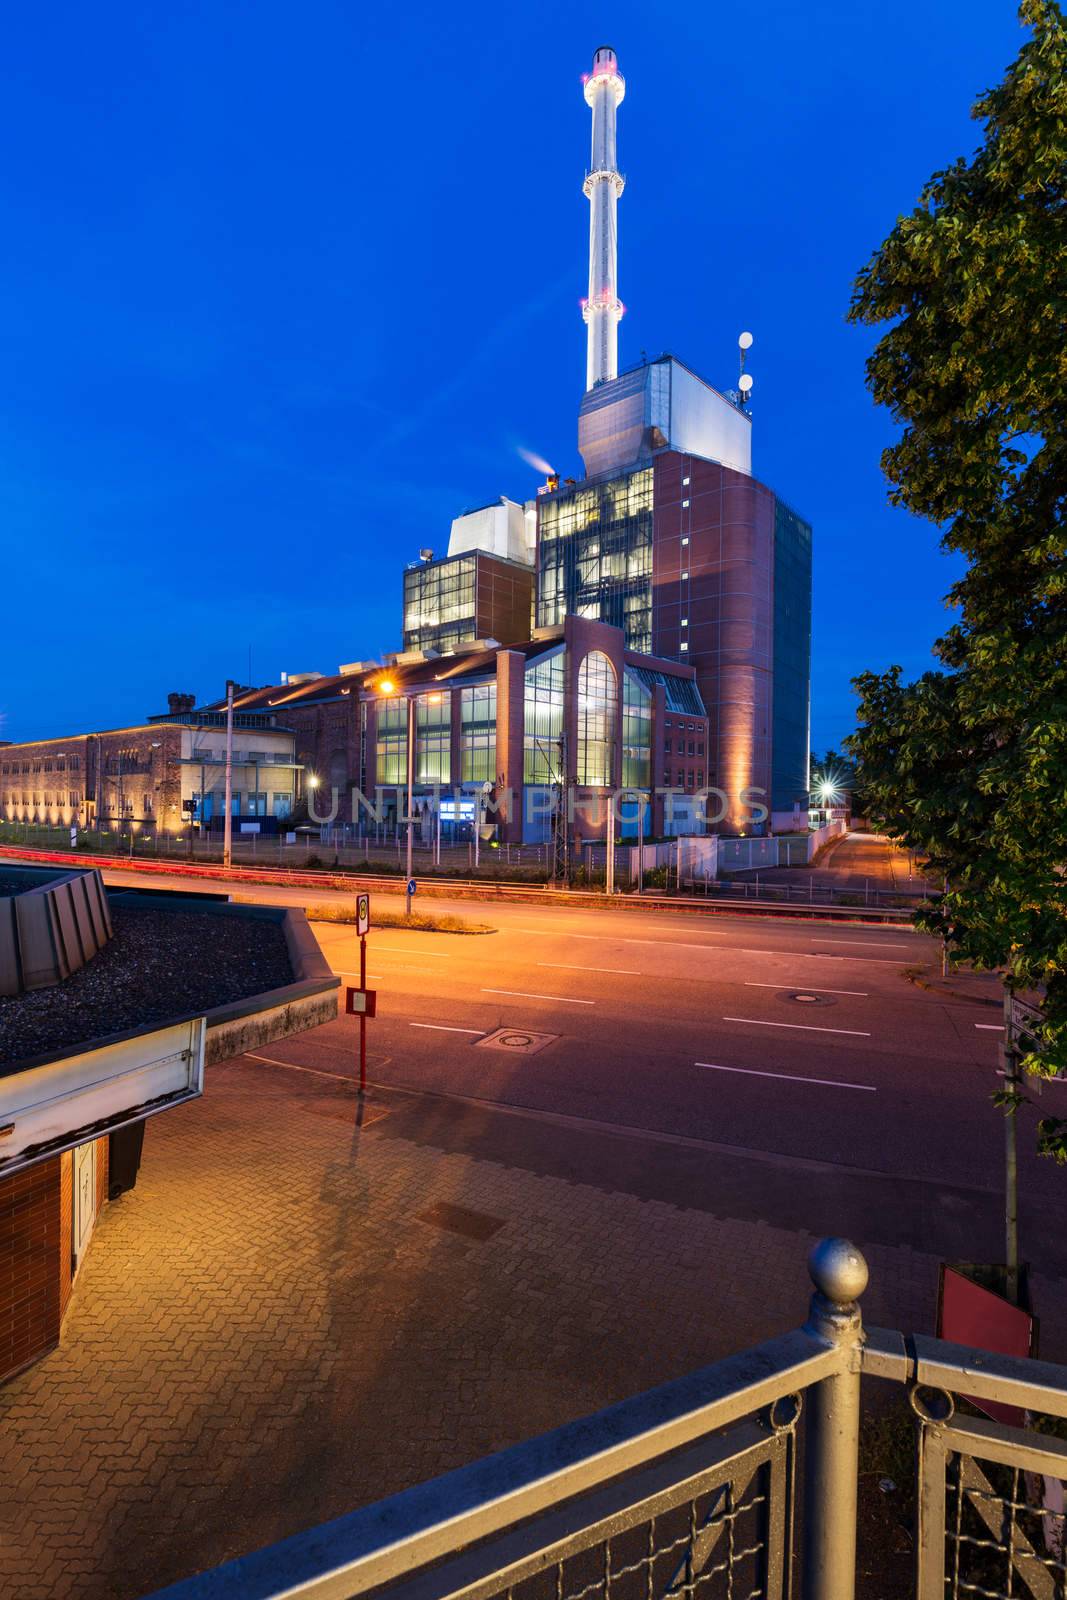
(805, 1027)
(789, 1077)
(524, 994)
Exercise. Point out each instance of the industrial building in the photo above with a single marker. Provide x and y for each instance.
(159, 776)
(563, 718)
(668, 537)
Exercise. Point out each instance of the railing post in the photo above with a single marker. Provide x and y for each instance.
(832, 1412)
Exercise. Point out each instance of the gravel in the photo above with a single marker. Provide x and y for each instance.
(160, 965)
(15, 882)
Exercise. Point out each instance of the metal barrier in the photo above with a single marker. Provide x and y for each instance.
(690, 1490)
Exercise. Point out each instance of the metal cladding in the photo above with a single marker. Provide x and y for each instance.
(604, 90)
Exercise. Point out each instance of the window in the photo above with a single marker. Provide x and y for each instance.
(685, 505)
(281, 804)
(439, 603)
(700, 747)
(433, 737)
(685, 577)
(543, 719)
(477, 735)
(685, 541)
(595, 556)
(636, 734)
(597, 701)
(684, 645)
(667, 746)
(684, 622)
(392, 741)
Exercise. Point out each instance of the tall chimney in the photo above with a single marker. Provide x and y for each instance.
(604, 89)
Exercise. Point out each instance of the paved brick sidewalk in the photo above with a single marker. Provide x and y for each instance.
(264, 1334)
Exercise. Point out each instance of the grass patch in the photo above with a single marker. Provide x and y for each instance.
(422, 921)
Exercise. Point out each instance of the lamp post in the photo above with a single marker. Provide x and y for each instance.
(227, 821)
(386, 686)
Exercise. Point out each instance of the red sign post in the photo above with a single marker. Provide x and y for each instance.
(361, 1002)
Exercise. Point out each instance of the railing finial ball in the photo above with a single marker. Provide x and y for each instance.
(838, 1270)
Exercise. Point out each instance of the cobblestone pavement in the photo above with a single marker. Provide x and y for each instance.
(265, 1334)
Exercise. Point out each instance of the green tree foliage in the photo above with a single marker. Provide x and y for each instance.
(969, 764)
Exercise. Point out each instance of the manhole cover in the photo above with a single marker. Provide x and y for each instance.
(805, 997)
(459, 1219)
(519, 1041)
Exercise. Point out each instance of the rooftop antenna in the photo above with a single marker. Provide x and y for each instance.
(744, 382)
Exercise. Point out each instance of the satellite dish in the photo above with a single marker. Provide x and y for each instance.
(744, 382)
(745, 341)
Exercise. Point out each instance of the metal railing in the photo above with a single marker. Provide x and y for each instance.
(690, 1490)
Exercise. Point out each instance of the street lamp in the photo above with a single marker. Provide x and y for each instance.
(386, 686)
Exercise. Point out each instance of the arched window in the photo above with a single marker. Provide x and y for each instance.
(598, 697)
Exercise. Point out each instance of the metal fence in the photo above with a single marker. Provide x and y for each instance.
(691, 1490)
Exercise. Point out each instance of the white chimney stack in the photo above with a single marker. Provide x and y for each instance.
(604, 89)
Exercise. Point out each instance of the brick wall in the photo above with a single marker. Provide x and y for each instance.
(30, 1249)
(36, 1222)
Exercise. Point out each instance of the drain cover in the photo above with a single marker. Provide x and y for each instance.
(805, 997)
(519, 1041)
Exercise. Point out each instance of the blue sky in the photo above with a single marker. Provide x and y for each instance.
(286, 288)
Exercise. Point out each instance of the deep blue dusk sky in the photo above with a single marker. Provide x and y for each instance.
(285, 287)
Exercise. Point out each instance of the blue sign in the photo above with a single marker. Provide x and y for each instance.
(412, 886)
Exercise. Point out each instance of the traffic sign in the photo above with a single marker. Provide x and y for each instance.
(412, 886)
(361, 1002)
(362, 914)
(1025, 1018)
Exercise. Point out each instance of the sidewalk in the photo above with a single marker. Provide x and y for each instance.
(291, 1316)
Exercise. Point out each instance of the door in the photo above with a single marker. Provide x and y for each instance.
(84, 1199)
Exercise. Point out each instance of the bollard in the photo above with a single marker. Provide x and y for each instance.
(832, 1409)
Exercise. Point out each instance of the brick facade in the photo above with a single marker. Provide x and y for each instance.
(98, 780)
(36, 1231)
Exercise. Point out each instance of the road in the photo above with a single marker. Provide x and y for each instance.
(681, 1065)
(747, 1066)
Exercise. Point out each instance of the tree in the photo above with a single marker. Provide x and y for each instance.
(969, 763)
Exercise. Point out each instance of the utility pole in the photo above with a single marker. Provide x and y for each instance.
(1010, 1063)
(640, 843)
(227, 821)
(560, 820)
(411, 783)
(609, 874)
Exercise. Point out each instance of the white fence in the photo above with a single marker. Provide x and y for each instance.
(703, 857)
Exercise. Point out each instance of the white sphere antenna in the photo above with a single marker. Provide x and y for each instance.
(744, 382)
(745, 341)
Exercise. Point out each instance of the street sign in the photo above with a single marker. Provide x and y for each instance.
(1025, 1018)
(362, 914)
(361, 1002)
(412, 886)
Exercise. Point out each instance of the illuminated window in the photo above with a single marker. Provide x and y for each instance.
(685, 575)
(685, 483)
(684, 645)
(685, 541)
(543, 719)
(684, 622)
(433, 738)
(478, 734)
(597, 701)
(392, 741)
(685, 505)
(636, 734)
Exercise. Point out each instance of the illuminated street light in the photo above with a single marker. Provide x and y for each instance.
(387, 686)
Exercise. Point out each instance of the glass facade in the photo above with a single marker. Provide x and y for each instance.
(598, 699)
(595, 556)
(392, 741)
(433, 738)
(543, 719)
(792, 658)
(478, 734)
(636, 733)
(439, 604)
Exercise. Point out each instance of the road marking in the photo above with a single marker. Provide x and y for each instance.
(789, 1077)
(439, 1027)
(314, 1072)
(994, 1027)
(805, 1027)
(878, 944)
(860, 994)
(524, 994)
(712, 949)
(402, 949)
(572, 966)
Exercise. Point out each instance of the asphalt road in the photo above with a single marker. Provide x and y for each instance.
(745, 1066)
